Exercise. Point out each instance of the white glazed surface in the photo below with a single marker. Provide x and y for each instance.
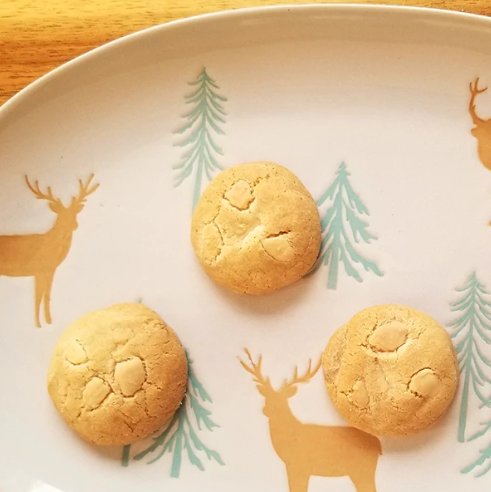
(386, 91)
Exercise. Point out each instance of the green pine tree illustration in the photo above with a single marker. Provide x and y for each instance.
(203, 121)
(183, 433)
(470, 329)
(337, 245)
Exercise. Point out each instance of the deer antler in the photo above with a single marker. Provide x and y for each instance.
(474, 88)
(84, 190)
(39, 194)
(255, 369)
(309, 374)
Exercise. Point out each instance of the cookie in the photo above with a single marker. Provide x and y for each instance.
(256, 228)
(118, 374)
(391, 370)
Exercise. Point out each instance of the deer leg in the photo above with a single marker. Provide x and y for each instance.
(47, 297)
(364, 479)
(38, 286)
(298, 480)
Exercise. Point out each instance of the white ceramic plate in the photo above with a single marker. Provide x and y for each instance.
(371, 104)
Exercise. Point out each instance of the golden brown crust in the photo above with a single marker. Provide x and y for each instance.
(118, 374)
(391, 370)
(256, 228)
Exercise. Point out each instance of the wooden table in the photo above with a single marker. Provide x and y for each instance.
(37, 36)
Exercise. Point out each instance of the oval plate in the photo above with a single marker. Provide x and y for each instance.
(381, 114)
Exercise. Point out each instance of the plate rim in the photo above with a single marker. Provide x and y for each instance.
(267, 13)
(420, 13)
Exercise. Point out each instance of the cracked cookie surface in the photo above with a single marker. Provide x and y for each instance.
(118, 374)
(256, 228)
(391, 370)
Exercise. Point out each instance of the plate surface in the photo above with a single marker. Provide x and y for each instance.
(373, 109)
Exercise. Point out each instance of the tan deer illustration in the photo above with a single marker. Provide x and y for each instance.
(482, 128)
(39, 255)
(313, 450)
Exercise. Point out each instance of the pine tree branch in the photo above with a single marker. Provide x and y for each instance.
(357, 258)
(196, 95)
(484, 312)
(193, 458)
(464, 288)
(463, 343)
(459, 327)
(217, 96)
(462, 303)
(348, 267)
(354, 200)
(481, 356)
(196, 387)
(358, 227)
(480, 373)
(215, 127)
(332, 235)
(462, 360)
(189, 157)
(471, 281)
(477, 391)
(182, 176)
(159, 440)
(187, 164)
(192, 138)
(485, 470)
(214, 146)
(485, 455)
(189, 124)
(201, 414)
(324, 258)
(208, 171)
(167, 446)
(212, 115)
(199, 80)
(200, 446)
(211, 82)
(329, 194)
(327, 218)
(480, 327)
(487, 427)
(218, 107)
(211, 158)
(199, 109)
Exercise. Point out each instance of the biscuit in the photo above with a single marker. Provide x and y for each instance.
(256, 228)
(391, 370)
(118, 374)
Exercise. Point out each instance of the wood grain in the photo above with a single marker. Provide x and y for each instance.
(36, 36)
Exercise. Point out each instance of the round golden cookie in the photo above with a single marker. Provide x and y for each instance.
(256, 228)
(391, 370)
(118, 374)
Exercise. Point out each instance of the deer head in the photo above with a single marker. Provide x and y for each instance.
(276, 398)
(67, 216)
(482, 128)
